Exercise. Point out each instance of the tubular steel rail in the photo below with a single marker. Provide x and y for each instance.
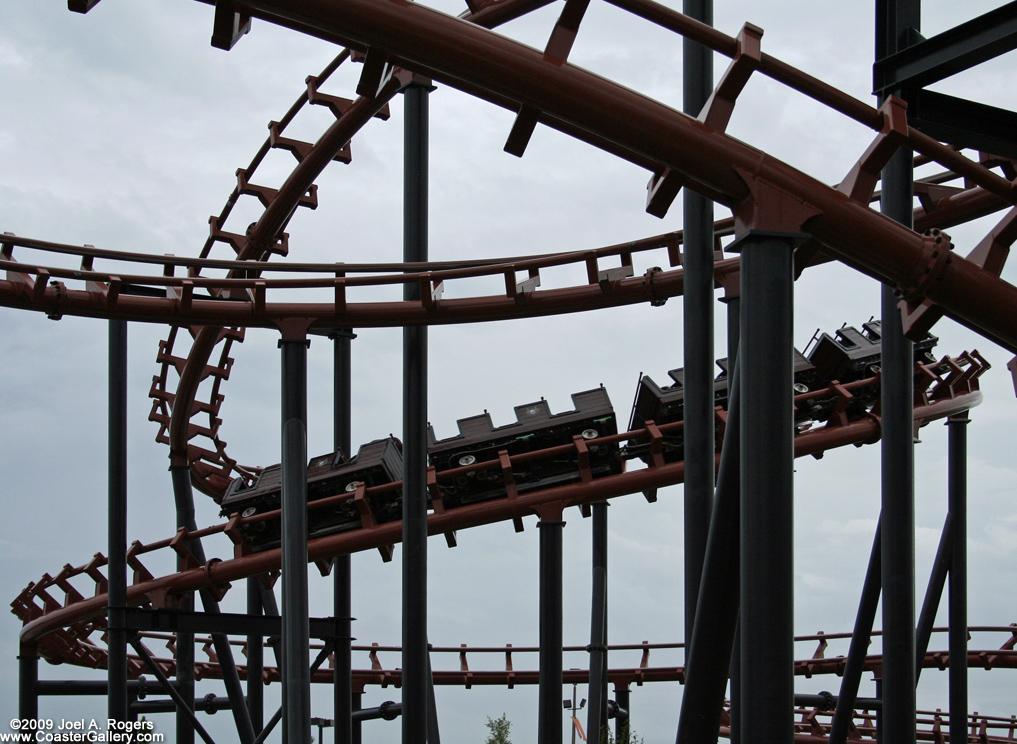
(62, 628)
(408, 39)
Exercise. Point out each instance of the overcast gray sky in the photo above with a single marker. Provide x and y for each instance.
(123, 129)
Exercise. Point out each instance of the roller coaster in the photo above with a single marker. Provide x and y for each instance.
(838, 392)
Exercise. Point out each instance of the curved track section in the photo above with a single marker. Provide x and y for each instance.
(397, 40)
(63, 629)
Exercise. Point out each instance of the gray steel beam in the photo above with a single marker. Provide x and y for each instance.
(767, 503)
(964, 123)
(860, 638)
(296, 680)
(948, 53)
(550, 663)
(342, 578)
(416, 679)
(117, 566)
(958, 594)
(698, 301)
(597, 709)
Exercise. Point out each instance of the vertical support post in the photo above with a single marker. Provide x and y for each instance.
(713, 637)
(621, 725)
(767, 502)
(860, 637)
(183, 495)
(358, 703)
(296, 678)
(342, 403)
(896, 20)
(28, 679)
(700, 442)
(117, 567)
(933, 595)
(597, 711)
(180, 476)
(550, 675)
(733, 300)
(958, 596)
(255, 660)
(416, 679)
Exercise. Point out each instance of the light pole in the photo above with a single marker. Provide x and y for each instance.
(571, 707)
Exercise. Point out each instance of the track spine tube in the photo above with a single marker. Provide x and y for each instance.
(860, 638)
(767, 495)
(416, 678)
(117, 566)
(958, 593)
(342, 578)
(296, 678)
(709, 655)
(698, 301)
(551, 658)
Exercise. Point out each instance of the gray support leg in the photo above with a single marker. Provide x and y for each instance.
(698, 304)
(28, 681)
(255, 660)
(296, 678)
(899, 702)
(767, 504)
(597, 710)
(550, 675)
(416, 679)
(958, 596)
(341, 565)
(117, 567)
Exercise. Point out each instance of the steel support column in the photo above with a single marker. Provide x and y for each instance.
(596, 719)
(732, 298)
(933, 595)
(550, 675)
(183, 495)
(897, 22)
(358, 698)
(28, 681)
(117, 566)
(342, 579)
(180, 476)
(958, 596)
(255, 660)
(416, 679)
(622, 729)
(296, 679)
(713, 638)
(860, 637)
(767, 504)
(698, 300)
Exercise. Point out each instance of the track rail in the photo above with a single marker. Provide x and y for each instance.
(63, 628)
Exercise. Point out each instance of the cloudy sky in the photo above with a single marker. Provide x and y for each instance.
(123, 129)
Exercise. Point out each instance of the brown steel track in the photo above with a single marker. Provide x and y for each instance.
(677, 150)
(62, 628)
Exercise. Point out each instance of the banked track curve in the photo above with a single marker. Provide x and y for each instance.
(951, 293)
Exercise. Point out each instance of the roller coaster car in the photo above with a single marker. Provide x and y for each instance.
(851, 355)
(665, 405)
(377, 463)
(536, 428)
